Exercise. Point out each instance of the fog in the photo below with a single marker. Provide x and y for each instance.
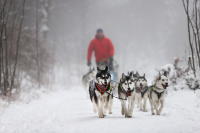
(146, 34)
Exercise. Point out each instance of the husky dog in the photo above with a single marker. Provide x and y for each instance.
(87, 78)
(134, 76)
(100, 90)
(126, 91)
(141, 92)
(157, 93)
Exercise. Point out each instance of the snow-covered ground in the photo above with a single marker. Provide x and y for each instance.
(68, 111)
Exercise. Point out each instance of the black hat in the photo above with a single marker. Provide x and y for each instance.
(99, 30)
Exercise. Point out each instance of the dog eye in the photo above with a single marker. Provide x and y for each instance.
(163, 80)
(130, 83)
(125, 83)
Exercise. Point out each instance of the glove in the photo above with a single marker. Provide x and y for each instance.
(89, 63)
(111, 59)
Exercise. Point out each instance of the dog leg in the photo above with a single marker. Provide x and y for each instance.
(161, 107)
(94, 108)
(110, 105)
(99, 108)
(129, 107)
(132, 107)
(106, 104)
(158, 103)
(152, 107)
(125, 109)
(103, 100)
(155, 106)
(145, 105)
(122, 111)
(140, 103)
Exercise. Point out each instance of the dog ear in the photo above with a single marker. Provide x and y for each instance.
(137, 74)
(130, 74)
(106, 69)
(98, 69)
(144, 75)
(93, 69)
(165, 73)
(90, 69)
(123, 76)
(159, 76)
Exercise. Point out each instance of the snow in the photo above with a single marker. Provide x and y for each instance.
(69, 111)
(169, 68)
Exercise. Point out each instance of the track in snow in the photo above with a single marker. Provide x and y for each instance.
(69, 111)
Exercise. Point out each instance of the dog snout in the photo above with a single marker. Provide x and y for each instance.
(105, 83)
(166, 83)
(140, 84)
(129, 89)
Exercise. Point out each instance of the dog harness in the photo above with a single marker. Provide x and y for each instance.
(142, 91)
(158, 93)
(102, 88)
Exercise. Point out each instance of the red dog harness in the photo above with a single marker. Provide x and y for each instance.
(100, 89)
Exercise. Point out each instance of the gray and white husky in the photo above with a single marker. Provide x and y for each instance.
(87, 78)
(141, 92)
(101, 92)
(126, 91)
(157, 93)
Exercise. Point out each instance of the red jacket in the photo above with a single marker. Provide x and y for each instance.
(102, 47)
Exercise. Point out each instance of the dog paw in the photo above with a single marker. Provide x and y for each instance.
(122, 112)
(110, 112)
(153, 113)
(157, 113)
(141, 109)
(126, 115)
(102, 116)
(144, 110)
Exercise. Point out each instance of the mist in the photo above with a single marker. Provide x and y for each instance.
(145, 34)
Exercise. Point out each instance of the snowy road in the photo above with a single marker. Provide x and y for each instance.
(70, 112)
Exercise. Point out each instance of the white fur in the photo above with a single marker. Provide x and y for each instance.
(102, 104)
(139, 96)
(158, 104)
(130, 99)
(131, 102)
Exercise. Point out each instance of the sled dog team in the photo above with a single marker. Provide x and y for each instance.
(131, 88)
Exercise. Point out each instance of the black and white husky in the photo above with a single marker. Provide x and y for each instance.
(99, 90)
(141, 92)
(157, 93)
(126, 91)
(87, 78)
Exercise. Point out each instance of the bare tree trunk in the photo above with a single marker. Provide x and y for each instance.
(37, 43)
(18, 40)
(189, 35)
